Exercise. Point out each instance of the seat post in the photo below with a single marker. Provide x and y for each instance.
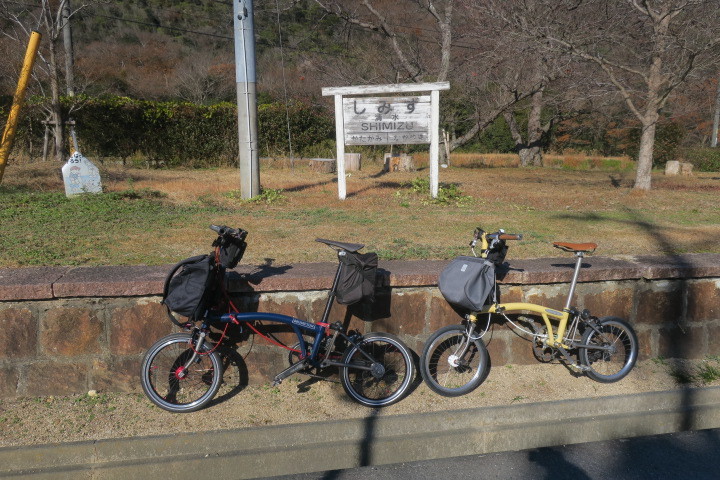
(331, 293)
(578, 265)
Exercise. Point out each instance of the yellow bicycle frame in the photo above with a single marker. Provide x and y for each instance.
(553, 340)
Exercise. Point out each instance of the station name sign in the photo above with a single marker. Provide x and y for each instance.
(386, 120)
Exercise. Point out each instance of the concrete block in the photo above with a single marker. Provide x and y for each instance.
(713, 331)
(659, 305)
(672, 167)
(9, 378)
(116, 375)
(703, 300)
(609, 301)
(56, 378)
(18, 333)
(134, 329)
(441, 314)
(646, 345)
(71, 331)
(686, 342)
(407, 314)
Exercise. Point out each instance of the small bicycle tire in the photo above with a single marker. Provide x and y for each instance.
(446, 369)
(383, 380)
(171, 386)
(607, 366)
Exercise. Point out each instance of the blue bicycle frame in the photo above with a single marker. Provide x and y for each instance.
(317, 330)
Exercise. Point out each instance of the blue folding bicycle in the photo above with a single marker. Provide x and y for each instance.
(182, 372)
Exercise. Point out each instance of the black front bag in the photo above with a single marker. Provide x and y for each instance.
(467, 282)
(357, 277)
(188, 293)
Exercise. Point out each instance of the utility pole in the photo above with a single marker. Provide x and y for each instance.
(716, 118)
(244, 33)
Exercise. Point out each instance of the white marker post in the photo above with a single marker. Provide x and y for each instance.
(387, 120)
(80, 176)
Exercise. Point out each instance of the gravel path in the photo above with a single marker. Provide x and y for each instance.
(94, 416)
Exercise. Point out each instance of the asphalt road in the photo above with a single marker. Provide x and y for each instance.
(685, 455)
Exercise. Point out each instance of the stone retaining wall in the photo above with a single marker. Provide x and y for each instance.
(67, 330)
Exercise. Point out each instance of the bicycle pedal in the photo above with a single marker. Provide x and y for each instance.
(580, 368)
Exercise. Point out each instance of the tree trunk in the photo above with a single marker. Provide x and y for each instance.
(56, 110)
(535, 130)
(643, 177)
(530, 152)
(530, 155)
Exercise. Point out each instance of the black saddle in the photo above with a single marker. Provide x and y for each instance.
(350, 247)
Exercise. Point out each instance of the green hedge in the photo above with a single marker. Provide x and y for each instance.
(704, 159)
(176, 133)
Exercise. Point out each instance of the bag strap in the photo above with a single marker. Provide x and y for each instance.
(166, 287)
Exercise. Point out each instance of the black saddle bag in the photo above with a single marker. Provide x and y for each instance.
(357, 277)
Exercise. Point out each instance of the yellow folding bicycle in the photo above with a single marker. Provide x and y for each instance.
(455, 360)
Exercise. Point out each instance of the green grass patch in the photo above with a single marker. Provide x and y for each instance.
(403, 249)
(47, 228)
(448, 193)
(687, 373)
(268, 196)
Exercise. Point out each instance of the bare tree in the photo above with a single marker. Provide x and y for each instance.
(448, 39)
(530, 148)
(646, 49)
(48, 17)
(202, 78)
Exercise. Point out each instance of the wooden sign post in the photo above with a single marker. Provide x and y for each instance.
(361, 119)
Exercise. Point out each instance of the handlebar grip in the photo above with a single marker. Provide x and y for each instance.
(510, 236)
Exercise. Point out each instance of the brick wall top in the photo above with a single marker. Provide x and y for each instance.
(40, 283)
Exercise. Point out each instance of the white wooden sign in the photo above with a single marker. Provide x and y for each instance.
(80, 176)
(361, 119)
(386, 120)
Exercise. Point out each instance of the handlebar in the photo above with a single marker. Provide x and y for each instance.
(499, 235)
(224, 231)
(491, 241)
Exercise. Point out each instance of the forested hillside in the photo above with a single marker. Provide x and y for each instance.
(523, 75)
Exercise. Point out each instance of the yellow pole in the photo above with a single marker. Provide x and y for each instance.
(18, 99)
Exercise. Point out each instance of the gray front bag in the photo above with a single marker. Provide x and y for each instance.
(467, 282)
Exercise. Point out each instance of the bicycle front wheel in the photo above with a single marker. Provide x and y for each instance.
(612, 349)
(382, 370)
(174, 385)
(453, 364)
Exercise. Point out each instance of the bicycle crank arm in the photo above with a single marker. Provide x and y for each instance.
(606, 348)
(289, 371)
(570, 362)
(331, 363)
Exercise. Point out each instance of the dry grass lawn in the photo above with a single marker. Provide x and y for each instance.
(679, 215)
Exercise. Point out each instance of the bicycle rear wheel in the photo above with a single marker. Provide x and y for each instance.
(617, 352)
(173, 385)
(383, 373)
(453, 364)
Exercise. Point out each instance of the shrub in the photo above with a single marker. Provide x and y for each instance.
(704, 159)
(176, 133)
